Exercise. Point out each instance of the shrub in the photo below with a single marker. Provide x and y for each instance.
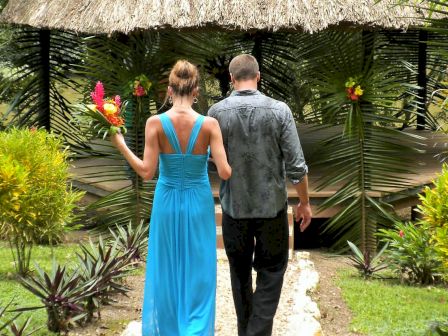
(35, 202)
(410, 252)
(61, 292)
(434, 209)
(365, 263)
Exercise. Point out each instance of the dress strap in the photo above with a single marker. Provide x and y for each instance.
(194, 133)
(170, 133)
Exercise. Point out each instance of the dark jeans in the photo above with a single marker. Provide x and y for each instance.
(261, 243)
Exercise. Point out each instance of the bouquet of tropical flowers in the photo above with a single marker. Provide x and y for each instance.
(104, 115)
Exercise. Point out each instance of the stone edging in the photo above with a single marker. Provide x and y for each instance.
(305, 317)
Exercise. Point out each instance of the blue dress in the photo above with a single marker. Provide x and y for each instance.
(180, 287)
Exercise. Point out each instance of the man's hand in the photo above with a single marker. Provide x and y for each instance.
(303, 212)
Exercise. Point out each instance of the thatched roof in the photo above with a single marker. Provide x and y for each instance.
(105, 16)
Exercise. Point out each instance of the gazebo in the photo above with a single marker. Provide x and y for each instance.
(304, 16)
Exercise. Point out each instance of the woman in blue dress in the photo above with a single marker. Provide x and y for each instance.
(180, 287)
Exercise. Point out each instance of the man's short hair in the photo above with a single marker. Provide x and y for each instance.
(244, 67)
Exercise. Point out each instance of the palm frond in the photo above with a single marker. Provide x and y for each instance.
(370, 158)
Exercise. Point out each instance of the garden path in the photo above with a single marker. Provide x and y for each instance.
(296, 304)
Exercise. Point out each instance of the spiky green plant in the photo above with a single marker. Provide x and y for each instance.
(6, 322)
(61, 292)
(105, 265)
(366, 263)
(132, 240)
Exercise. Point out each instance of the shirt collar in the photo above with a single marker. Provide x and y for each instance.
(245, 93)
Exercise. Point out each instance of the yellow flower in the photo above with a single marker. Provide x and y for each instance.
(91, 107)
(110, 109)
(359, 91)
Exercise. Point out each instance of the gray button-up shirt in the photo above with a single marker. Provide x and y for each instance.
(263, 148)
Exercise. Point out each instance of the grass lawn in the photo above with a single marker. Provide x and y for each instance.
(11, 289)
(382, 307)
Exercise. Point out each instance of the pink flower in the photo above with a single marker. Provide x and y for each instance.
(118, 101)
(98, 94)
(401, 233)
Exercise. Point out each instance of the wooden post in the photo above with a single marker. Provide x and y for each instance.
(258, 54)
(44, 98)
(422, 79)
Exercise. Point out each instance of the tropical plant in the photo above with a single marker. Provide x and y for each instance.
(21, 330)
(41, 65)
(61, 292)
(132, 240)
(434, 210)
(35, 202)
(411, 252)
(105, 266)
(368, 156)
(365, 263)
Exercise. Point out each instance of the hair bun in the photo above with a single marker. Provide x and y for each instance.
(184, 78)
(183, 72)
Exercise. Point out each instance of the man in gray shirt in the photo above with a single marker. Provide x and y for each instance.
(263, 149)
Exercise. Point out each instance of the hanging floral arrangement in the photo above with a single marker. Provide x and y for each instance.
(353, 89)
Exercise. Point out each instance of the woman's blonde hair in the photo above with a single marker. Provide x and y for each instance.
(184, 78)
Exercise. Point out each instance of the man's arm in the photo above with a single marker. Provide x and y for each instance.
(303, 209)
(296, 168)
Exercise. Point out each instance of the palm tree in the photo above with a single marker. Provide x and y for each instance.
(369, 155)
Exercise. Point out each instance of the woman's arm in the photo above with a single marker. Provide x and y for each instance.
(218, 151)
(146, 168)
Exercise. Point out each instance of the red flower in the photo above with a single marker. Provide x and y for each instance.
(139, 91)
(350, 91)
(401, 233)
(354, 97)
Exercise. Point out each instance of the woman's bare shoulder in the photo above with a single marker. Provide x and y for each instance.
(153, 120)
(210, 122)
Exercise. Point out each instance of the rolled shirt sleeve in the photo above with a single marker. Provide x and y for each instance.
(295, 165)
